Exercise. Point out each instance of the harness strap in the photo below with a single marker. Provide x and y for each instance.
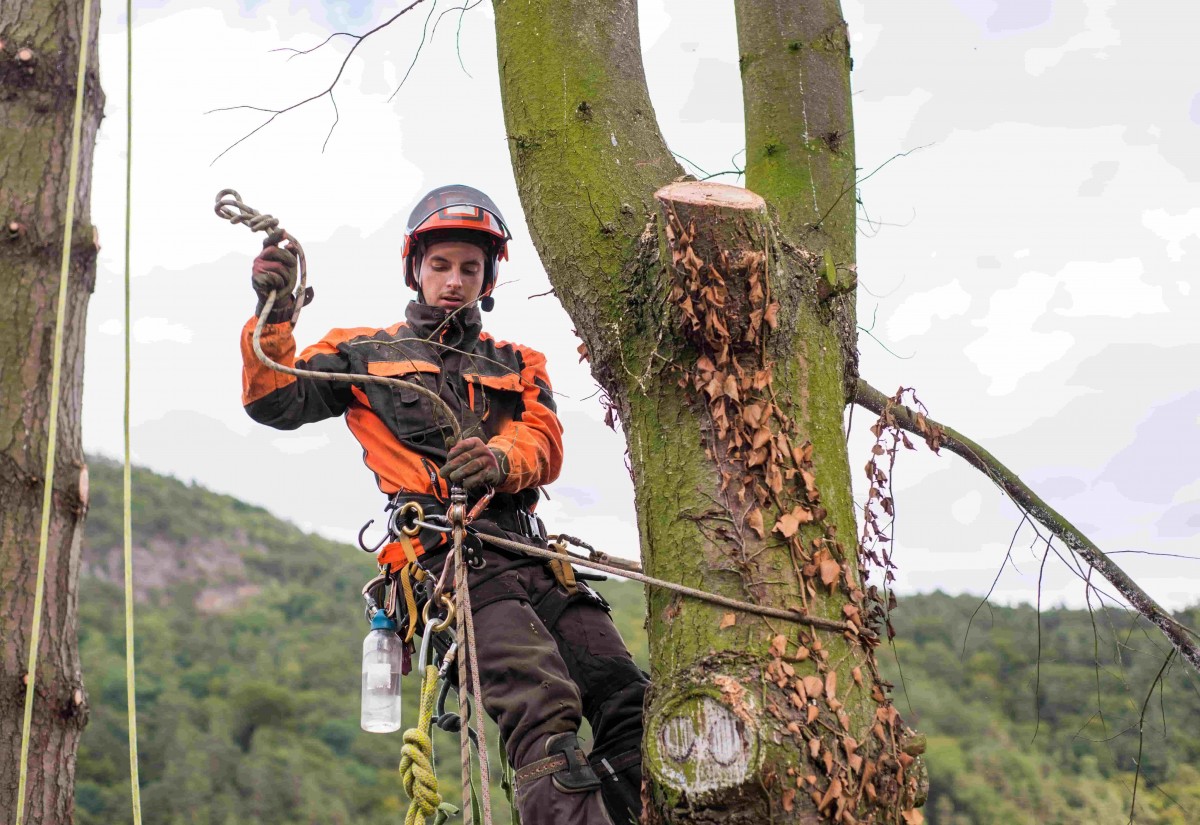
(544, 767)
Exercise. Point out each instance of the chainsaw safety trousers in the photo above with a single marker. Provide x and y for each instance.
(539, 682)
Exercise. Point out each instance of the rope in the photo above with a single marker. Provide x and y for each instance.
(466, 641)
(712, 598)
(127, 481)
(228, 200)
(55, 382)
(416, 757)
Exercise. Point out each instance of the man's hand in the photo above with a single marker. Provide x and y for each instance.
(471, 464)
(274, 270)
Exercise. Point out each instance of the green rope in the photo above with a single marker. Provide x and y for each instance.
(55, 381)
(130, 682)
(416, 761)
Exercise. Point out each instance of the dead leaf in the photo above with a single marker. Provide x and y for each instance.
(583, 352)
(814, 747)
(913, 817)
(771, 316)
(778, 646)
(789, 799)
(830, 570)
(787, 525)
(831, 684)
(755, 521)
(728, 620)
(857, 674)
(813, 713)
(834, 791)
(813, 686)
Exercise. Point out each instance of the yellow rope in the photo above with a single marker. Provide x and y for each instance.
(55, 380)
(416, 757)
(130, 681)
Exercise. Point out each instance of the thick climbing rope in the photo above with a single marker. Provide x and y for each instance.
(55, 383)
(127, 478)
(465, 632)
(416, 757)
(711, 598)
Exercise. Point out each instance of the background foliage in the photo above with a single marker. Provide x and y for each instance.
(248, 646)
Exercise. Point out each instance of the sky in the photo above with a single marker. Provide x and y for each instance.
(1028, 243)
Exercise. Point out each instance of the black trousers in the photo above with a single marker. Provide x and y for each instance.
(539, 681)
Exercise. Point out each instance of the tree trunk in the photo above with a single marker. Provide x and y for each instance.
(722, 345)
(40, 43)
(795, 62)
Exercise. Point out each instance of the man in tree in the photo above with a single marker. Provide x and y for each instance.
(548, 651)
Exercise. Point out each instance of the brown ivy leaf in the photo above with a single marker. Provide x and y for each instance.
(913, 817)
(789, 799)
(731, 388)
(705, 364)
(857, 674)
(755, 522)
(814, 747)
(830, 570)
(771, 316)
(834, 791)
(778, 646)
(831, 684)
(787, 525)
(583, 352)
(728, 620)
(813, 713)
(761, 437)
(813, 686)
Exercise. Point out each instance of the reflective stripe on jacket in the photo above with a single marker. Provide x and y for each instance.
(499, 392)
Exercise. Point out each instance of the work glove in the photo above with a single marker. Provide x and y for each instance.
(473, 464)
(276, 269)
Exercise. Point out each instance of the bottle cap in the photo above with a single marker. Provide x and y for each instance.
(381, 621)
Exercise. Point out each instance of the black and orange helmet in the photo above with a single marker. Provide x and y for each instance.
(457, 207)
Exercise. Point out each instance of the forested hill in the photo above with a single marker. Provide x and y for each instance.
(248, 646)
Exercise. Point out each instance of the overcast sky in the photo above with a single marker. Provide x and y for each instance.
(1028, 266)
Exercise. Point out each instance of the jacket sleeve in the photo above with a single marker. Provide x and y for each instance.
(532, 442)
(284, 401)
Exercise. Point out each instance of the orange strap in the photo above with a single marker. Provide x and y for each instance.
(396, 554)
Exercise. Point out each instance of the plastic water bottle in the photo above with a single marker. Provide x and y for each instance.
(381, 676)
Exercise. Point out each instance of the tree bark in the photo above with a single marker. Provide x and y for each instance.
(39, 51)
(722, 349)
(795, 63)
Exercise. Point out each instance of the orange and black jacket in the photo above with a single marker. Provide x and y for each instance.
(500, 392)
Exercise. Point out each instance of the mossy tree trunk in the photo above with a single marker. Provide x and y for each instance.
(724, 341)
(40, 43)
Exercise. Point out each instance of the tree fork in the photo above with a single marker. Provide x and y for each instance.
(742, 492)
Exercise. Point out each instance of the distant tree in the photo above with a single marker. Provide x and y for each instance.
(40, 43)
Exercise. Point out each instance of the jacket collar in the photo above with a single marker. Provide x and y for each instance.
(460, 331)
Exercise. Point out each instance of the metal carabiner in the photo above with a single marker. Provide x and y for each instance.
(405, 518)
(363, 545)
(445, 623)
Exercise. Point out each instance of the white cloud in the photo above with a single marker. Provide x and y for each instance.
(1010, 348)
(1098, 34)
(1174, 229)
(915, 315)
(152, 330)
(1112, 289)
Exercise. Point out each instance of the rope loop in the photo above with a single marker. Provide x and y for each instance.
(416, 758)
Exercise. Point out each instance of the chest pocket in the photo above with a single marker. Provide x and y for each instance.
(496, 400)
(409, 414)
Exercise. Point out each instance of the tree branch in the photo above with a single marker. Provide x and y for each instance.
(1182, 638)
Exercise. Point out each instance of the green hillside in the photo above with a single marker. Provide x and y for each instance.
(248, 645)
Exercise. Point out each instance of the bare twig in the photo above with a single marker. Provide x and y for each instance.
(274, 113)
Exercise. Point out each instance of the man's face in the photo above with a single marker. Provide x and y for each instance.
(451, 274)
